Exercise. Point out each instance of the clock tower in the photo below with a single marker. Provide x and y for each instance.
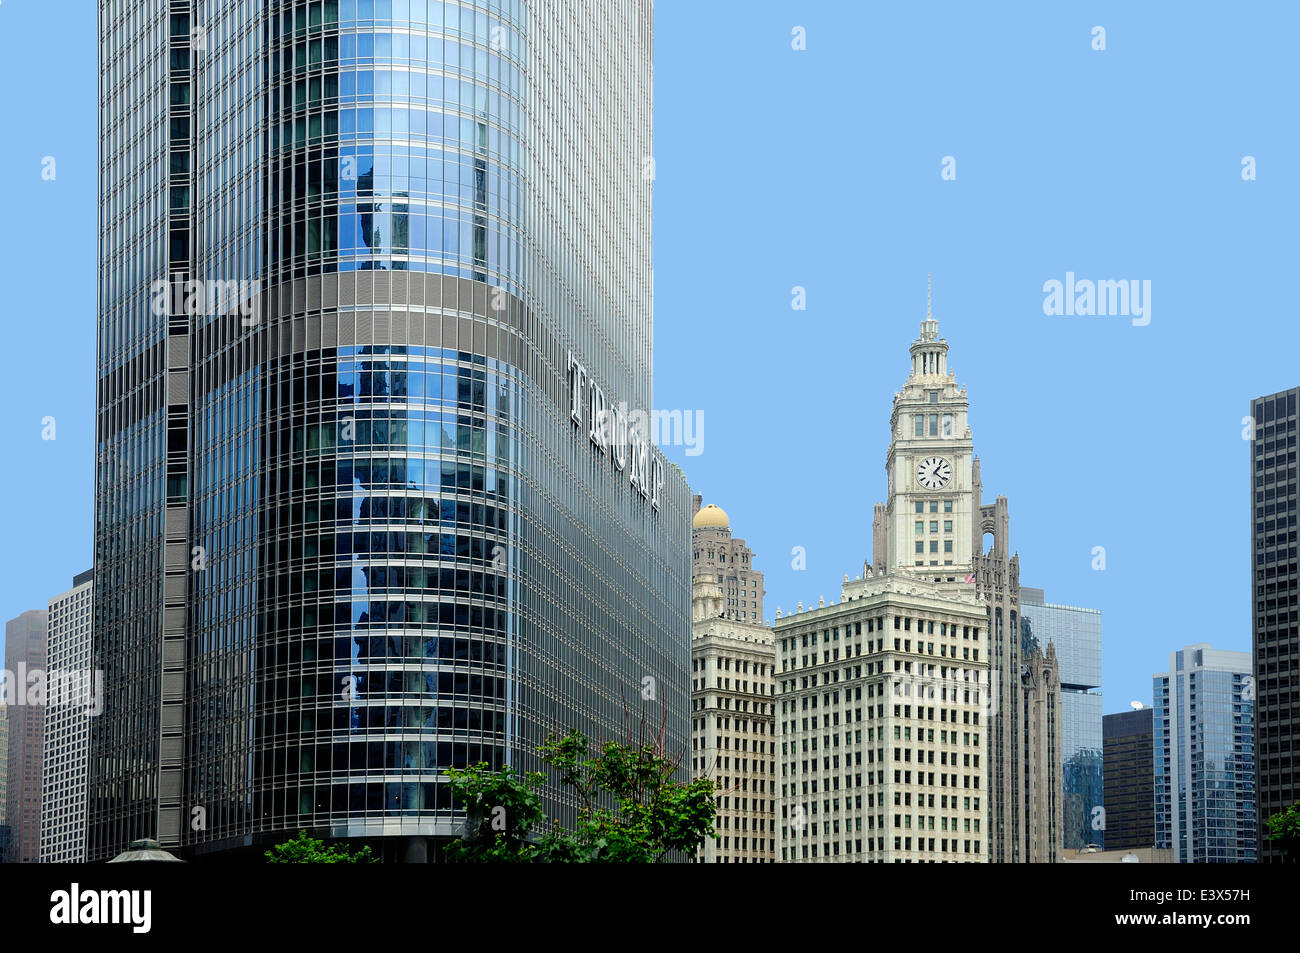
(925, 527)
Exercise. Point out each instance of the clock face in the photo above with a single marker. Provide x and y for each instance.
(934, 473)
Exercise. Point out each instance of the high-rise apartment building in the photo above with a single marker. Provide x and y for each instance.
(912, 723)
(727, 559)
(1204, 747)
(1128, 773)
(70, 706)
(1275, 605)
(1076, 634)
(24, 656)
(732, 725)
(385, 499)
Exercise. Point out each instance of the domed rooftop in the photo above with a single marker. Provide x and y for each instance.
(711, 517)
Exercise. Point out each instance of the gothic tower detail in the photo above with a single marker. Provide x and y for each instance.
(929, 633)
(933, 526)
(930, 507)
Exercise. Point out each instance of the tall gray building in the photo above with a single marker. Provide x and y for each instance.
(1204, 748)
(4, 773)
(1076, 633)
(1275, 604)
(24, 656)
(70, 705)
(375, 490)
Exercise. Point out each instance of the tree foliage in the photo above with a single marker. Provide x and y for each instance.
(502, 810)
(1284, 829)
(308, 850)
(631, 810)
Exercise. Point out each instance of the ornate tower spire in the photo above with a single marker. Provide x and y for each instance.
(929, 351)
(924, 527)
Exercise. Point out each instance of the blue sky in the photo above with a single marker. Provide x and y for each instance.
(821, 168)
(49, 73)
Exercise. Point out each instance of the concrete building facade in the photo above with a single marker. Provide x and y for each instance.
(4, 774)
(4, 758)
(67, 724)
(882, 702)
(733, 725)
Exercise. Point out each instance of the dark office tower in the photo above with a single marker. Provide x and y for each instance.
(24, 655)
(376, 491)
(1128, 775)
(1275, 594)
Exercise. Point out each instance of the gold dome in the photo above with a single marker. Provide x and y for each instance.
(712, 517)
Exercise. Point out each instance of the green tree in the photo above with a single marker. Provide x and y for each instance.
(1284, 829)
(308, 850)
(502, 808)
(631, 808)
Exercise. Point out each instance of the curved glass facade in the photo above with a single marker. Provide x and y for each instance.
(383, 545)
(395, 140)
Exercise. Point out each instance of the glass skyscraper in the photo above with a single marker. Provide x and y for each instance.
(1204, 746)
(1076, 633)
(376, 488)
